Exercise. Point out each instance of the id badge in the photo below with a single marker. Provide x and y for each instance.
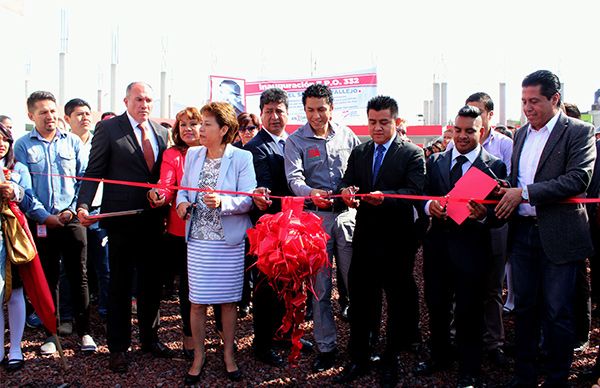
(41, 231)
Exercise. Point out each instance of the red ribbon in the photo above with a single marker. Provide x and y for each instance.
(291, 248)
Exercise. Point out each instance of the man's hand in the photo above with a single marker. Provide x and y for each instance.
(7, 191)
(155, 199)
(436, 210)
(65, 216)
(83, 216)
(511, 198)
(320, 198)
(53, 222)
(478, 211)
(374, 198)
(262, 202)
(348, 197)
(182, 210)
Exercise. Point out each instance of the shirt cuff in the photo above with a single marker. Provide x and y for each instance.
(18, 193)
(427, 207)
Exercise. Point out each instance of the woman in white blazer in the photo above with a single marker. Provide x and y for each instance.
(216, 226)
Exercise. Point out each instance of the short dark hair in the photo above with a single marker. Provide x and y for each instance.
(380, 103)
(318, 91)
(40, 95)
(469, 111)
(4, 117)
(482, 97)
(503, 130)
(549, 82)
(105, 114)
(572, 110)
(74, 103)
(274, 95)
(245, 119)
(224, 114)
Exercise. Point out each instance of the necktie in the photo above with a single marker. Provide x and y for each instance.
(456, 171)
(147, 147)
(378, 159)
(282, 144)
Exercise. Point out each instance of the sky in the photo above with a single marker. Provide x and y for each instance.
(470, 45)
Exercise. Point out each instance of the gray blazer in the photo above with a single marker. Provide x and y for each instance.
(564, 171)
(236, 174)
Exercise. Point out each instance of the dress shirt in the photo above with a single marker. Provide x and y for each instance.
(471, 156)
(62, 155)
(534, 144)
(138, 134)
(277, 139)
(313, 162)
(501, 146)
(386, 147)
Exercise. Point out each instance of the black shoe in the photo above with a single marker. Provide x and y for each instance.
(429, 367)
(344, 314)
(236, 375)
(118, 362)
(307, 346)
(515, 383)
(467, 381)
(388, 375)
(194, 379)
(324, 361)
(350, 373)
(497, 357)
(158, 350)
(591, 374)
(14, 364)
(269, 357)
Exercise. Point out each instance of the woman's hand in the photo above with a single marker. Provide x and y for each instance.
(211, 199)
(182, 210)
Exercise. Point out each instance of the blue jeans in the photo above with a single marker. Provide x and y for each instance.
(544, 299)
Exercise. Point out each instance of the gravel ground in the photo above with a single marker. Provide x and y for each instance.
(145, 371)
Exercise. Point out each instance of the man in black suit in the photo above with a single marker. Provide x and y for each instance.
(458, 258)
(267, 149)
(129, 148)
(553, 159)
(381, 257)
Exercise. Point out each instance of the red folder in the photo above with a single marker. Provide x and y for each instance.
(474, 184)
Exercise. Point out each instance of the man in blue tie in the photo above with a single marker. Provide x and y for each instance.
(382, 258)
(456, 258)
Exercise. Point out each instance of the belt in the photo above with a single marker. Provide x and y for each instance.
(529, 220)
(337, 207)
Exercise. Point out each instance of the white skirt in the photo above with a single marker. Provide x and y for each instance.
(215, 271)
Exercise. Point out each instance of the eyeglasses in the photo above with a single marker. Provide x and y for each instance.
(248, 129)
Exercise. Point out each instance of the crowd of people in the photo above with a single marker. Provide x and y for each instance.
(531, 238)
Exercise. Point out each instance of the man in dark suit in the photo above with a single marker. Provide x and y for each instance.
(381, 258)
(458, 258)
(552, 160)
(267, 149)
(129, 148)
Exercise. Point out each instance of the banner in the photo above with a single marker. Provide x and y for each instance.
(351, 92)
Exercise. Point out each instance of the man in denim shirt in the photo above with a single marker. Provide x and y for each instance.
(58, 234)
(315, 161)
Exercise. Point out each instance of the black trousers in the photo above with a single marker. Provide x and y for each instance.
(455, 263)
(373, 270)
(68, 243)
(267, 312)
(133, 246)
(175, 249)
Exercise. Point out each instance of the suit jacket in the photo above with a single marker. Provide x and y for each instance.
(236, 174)
(564, 171)
(116, 154)
(269, 166)
(438, 183)
(391, 224)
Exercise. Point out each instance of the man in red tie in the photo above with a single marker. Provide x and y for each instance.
(129, 147)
